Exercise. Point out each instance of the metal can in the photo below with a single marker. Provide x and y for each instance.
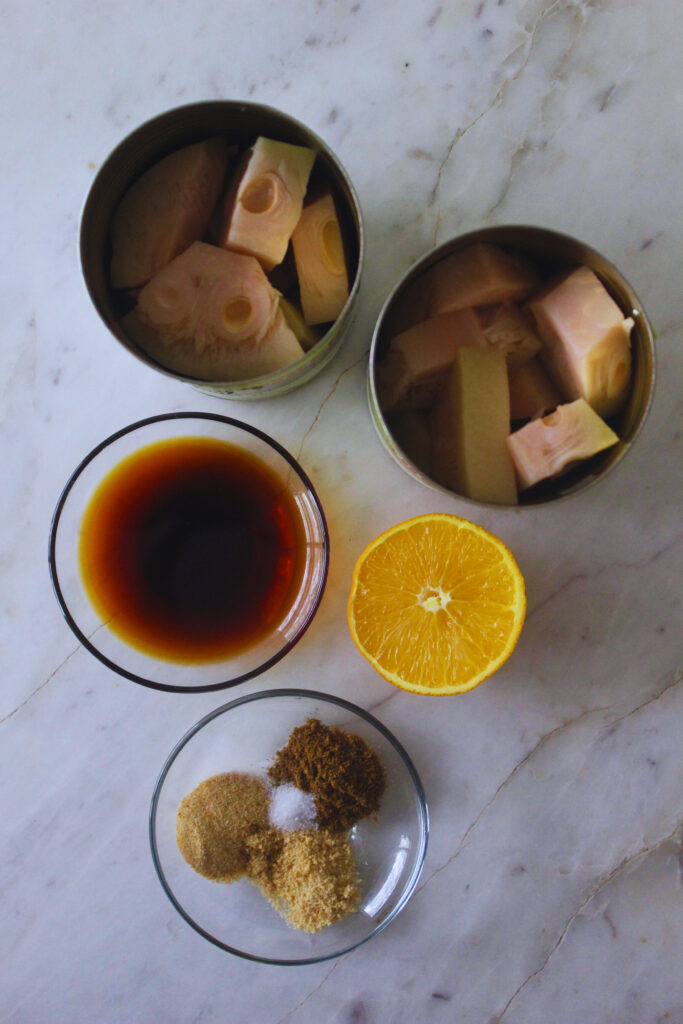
(551, 252)
(241, 123)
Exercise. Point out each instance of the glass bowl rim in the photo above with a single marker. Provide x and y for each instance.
(91, 456)
(329, 699)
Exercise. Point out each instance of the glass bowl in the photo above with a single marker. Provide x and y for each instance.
(551, 252)
(92, 629)
(389, 851)
(240, 123)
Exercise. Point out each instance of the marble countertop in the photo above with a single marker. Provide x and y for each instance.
(553, 885)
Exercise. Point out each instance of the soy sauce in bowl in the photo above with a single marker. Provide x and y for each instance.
(192, 550)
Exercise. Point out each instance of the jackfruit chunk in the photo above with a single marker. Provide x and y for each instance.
(548, 446)
(320, 263)
(510, 330)
(268, 202)
(410, 431)
(213, 315)
(531, 391)
(167, 209)
(410, 307)
(412, 373)
(586, 341)
(305, 335)
(469, 425)
(480, 275)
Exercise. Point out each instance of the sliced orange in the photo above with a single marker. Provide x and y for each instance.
(437, 604)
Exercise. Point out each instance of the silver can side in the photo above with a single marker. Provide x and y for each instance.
(553, 252)
(241, 123)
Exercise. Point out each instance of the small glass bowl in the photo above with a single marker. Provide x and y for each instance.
(90, 628)
(551, 252)
(389, 852)
(240, 123)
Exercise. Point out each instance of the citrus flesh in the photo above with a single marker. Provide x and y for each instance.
(437, 604)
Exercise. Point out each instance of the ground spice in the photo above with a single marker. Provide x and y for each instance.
(215, 820)
(339, 768)
(231, 825)
(263, 851)
(309, 876)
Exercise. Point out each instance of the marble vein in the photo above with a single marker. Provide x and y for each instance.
(527, 49)
(624, 865)
(325, 400)
(678, 678)
(52, 674)
(583, 577)
(313, 991)
(37, 690)
(525, 146)
(383, 702)
(539, 745)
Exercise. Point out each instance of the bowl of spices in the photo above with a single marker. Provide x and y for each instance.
(189, 552)
(288, 827)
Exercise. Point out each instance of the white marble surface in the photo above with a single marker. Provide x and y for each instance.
(552, 890)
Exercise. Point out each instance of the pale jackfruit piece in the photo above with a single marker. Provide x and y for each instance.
(469, 425)
(167, 209)
(306, 335)
(586, 341)
(479, 275)
(410, 431)
(268, 201)
(320, 263)
(531, 391)
(511, 330)
(213, 315)
(549, 446)
(412, 373)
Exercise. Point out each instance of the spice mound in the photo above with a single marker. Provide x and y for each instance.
(287, 832)
(309, 877)
(340, 769)
(290, 809)
(214, 821)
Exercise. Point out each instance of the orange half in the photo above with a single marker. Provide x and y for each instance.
(437, 604)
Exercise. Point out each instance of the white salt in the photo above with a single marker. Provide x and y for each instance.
(291, 809)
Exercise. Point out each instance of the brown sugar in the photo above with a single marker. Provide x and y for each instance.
(310, 877)
(224, 828)
(264, 848)
(339, 768)
(215, 820)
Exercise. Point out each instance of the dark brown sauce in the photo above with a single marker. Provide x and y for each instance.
(192, 550)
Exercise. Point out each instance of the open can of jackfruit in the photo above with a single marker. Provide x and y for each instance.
(403, 393)
(116, 283)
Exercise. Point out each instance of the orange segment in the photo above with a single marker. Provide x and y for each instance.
(437, 604)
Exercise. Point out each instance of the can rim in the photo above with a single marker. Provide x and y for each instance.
(325, 348)
(431, 257)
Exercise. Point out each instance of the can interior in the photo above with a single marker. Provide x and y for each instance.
(552, 253)
(240, 124)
